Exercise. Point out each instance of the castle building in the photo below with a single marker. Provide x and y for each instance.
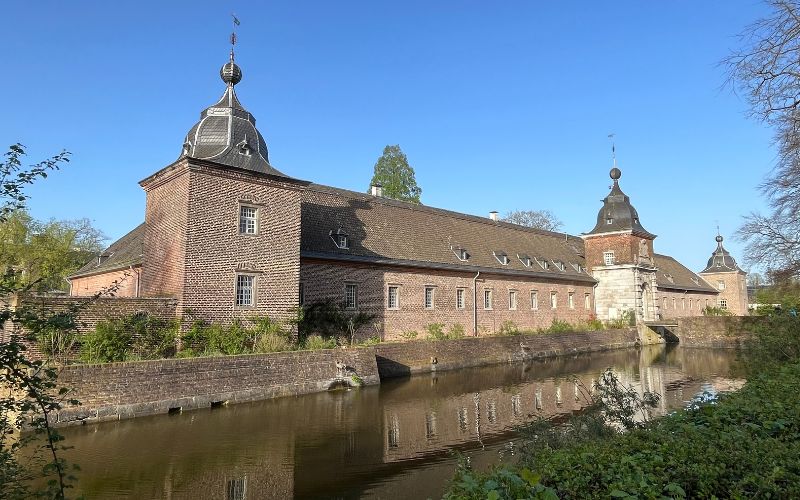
(229, 236)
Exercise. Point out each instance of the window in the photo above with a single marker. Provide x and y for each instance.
(245, 285)
(526, 260)
(720, 285)
(461, 253)
(428, 297)
(534, 299)
(301, 299)
(512, 300)
(350, 296)
(587, 301)
(501, 258)
(341, 240)
(543, 263)
(560, 265)
(248, 217)
(393, 297)
(723, 303)
(487, 299)
(460, 298)
(608, 258)
(553, 300)
(673, 303)
(609, 221)
(571, 300)
(683, 304)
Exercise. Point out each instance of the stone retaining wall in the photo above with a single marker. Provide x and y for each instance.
(715, 331)
(401, 359)
(116, 391)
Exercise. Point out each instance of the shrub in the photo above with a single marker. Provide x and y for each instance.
(716, 311)
(272, 343)
(559, 326)
(315, 342)
(508, 328)
(409, 335)
(153, 338)
(436, 331)
(456, 331)
(625, 319)
(110, 341)
(233, 339)
(374, 340)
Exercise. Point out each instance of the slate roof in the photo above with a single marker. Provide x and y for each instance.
(721, 261)
(385, 231)
(674, 275)
(227, 133)
(617, 213)
(122, 254)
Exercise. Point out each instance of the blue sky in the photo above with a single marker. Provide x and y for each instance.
(498, 105)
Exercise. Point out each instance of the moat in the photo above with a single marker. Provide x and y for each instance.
(389, 441)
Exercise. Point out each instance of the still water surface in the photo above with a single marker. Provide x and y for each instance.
(391, 441)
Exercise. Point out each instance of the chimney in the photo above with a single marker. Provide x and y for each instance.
(493, 215)
(376, 190)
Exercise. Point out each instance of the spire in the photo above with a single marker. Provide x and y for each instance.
(617, 213)
(721, 260)
(231, 73)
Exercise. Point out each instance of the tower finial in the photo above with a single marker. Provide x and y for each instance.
(613, 149)
(230, 73)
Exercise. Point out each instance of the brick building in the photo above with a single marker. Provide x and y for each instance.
(229, 236)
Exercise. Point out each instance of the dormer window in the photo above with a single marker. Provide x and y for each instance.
(695, 280)
(340, 239)
(525, 259)
(669, 278)
(560, 265)
(187, 147)
(609, 220)
(501, 257)
(244, 148)
(543, 263)
(577, 267)
(461, 253)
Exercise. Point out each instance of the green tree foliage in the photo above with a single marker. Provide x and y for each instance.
(43, 254)
(539, 219)
(393, 172)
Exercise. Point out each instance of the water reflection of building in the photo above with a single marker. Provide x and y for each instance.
(374, 441)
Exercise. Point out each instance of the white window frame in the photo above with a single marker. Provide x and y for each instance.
(432, 303)
(609, 259)
(347, 288)
(571, 299)
(512, 300)
(396, 289)
(534, 300)
(553, 300)
(342, 241)
(461, 298)
(239, 290)
(587, 301)
(723, 304)
(487, 299)
(720, 285)
(244, 221)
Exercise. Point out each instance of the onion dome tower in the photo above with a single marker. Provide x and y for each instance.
(721, 260)
(617, 213)
(226, 132)
(724, 274)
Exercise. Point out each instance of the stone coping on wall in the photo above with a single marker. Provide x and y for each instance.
(420, 356)
(114, 391)
(716, 331)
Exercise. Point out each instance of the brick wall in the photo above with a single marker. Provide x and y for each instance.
(126, 281)
(166, 218)
(676, 304)
(715, 331)
(90, 312)
(216, 251)
(735, 292)
(326, 280)
(115, 391)
(624, 246)
(401, 359)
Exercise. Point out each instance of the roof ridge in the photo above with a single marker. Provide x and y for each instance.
(441, 211)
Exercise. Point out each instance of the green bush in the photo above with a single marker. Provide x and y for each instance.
(315, 342)
(508, 328)
(153, 338)
(456, 331)
(436, 331)
(374, 340)
(560, 326)
(110, 341)
(626, 319)
(716, 311)
(409, 335)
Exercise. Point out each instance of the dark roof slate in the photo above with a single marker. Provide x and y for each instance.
(721, 261)
(617, 213)
(385, 231)
(122, 254)
(674, 275)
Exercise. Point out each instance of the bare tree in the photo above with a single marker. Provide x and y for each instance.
(539, 219)
(766, 70)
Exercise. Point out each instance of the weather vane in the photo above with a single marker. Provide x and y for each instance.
(233, 33)
(613, 149)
